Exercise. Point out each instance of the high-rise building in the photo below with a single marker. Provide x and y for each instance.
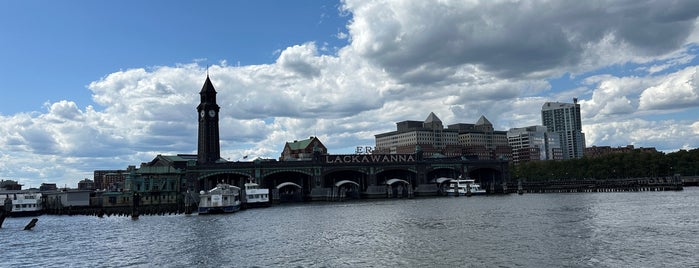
(564, 120)
(534, 143)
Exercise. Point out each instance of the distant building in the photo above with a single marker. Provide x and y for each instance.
(48, 187)
(482, 140)
(564, 120)
(10, 185)
(303, 149)
(86, 184)
(597, 151)
(67, 198)
(112, 180)
(432, 138)
(534, 143)
(158, 181)
(429, 136)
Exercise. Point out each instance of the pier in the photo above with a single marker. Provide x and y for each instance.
(674, 183)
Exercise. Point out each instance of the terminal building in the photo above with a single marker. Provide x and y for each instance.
(306, 169)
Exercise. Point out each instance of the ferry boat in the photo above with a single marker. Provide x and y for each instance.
(462, 187)
(224, 198)
(254, 196)
(24, 203)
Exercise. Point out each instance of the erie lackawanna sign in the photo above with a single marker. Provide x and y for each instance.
(369, 158)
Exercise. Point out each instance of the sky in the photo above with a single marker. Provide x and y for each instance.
(94, 85)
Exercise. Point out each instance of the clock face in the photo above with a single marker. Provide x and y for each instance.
(212, 113)
(201, 114)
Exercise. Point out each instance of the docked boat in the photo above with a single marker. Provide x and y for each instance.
(254, 196)
(224, 198)
(24, 203)
(462, 187)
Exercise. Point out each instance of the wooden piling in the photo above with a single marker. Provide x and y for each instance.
(31, 224)
(2, 217)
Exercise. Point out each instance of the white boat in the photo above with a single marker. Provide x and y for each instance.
(224, 198)
(255, 196)
(462, 187)
(24, 203)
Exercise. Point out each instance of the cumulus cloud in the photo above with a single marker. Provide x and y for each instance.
(676, 90)
(405, 59)
(515, 39)
(644, 133)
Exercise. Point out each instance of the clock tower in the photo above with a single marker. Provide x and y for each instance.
(209, 150)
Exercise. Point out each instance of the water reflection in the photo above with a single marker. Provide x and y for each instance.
(647, 229)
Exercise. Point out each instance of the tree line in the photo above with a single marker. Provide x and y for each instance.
(633, 164)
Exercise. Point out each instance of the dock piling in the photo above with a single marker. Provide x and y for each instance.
(31, 224)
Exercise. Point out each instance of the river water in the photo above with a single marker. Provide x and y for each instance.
(627, 229)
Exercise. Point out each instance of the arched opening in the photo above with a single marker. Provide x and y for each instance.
(398, 188)
(209, 181)
(347, 189)
(444, 172)
(345, 184)
(490, 179)
(288, 186)
(289, 192)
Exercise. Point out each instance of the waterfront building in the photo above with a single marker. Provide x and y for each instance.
(159, 181)
(303, 149)
(429, 136)
(108, 179)
(67, 198)
(86, 184)
(48, 187)
(10, 185)
(321, 176)
(479, 140)
(482, 140)
(534, 143)
(564, 120)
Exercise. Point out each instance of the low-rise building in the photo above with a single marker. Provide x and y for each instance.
(303, 149)
(86, 184)
(534, 143)
(10, 185)
(67, 198)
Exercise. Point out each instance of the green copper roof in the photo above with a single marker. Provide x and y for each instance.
(298, 145)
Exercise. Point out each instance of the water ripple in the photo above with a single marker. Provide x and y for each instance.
(533, 230)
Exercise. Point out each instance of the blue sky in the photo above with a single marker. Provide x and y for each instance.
(92, 85)
(53, 49)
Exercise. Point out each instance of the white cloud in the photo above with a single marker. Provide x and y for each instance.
(676, 90)
(514, 39)
(671, 134)
(459, 59)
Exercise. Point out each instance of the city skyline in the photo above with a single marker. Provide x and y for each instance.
(98, 86)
